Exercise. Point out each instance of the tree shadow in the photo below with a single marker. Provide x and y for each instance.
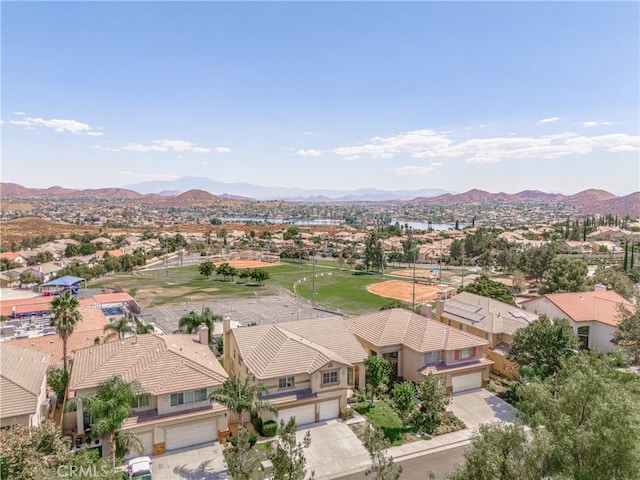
(202, 472)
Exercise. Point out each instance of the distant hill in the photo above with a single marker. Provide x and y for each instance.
(192, 197)
(18, 191)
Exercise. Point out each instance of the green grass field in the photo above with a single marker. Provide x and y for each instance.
(342, 290)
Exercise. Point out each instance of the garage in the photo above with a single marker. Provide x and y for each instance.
(304, 414)
(329, 409)
(146, 438)
(462, 383)
(191, 434)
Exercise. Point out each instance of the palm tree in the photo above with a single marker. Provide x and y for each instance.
(65, 317)
(144, 328)
(118, 329)
(190, 322)
(108, 408)
(242, 396)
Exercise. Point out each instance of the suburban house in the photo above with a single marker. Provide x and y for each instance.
(14, 257)
(487, 318)
(308, 366)
(176, 374)
(23, 383)
(592, 315)
(417, 345)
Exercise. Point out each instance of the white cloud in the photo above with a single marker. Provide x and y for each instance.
(430, 144)
(22, 114)
(308, 133)
(57, 124)
(165, 145)
(412, 170)
(1, 122)
(592, 123)
(124, 172)
(95, 134)
(549, 120)
(156, 176)
(223, 150)
(309, 153)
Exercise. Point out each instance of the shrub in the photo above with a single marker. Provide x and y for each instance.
(257, 424)
(346, 412)
(269, 428)
(253, 439)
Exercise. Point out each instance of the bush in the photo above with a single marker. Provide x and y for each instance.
(256, 421)
(253, 439)
(346, 412)
(269, 428)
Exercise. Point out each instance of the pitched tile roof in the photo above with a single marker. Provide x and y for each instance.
(160, 363)
(297, 347)
(21, 375)
(598, 306)
(399, 326)
(486, 313)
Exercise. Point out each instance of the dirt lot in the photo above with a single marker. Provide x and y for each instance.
(250, 264)
(401, 290)
(420, 273)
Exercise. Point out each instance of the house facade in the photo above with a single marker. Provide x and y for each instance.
(176, 374)
(592, 315)
(416, 345)
(490, 319)
(23, 384)
(308, 366)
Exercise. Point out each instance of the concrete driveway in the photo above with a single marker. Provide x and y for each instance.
(334, 451)
(481, 406)
(205, 462)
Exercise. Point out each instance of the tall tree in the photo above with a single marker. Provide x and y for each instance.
(109, 407)
(289, 462)
(486, 287)
(432, 393)
(119, 329)
(535, 261)
(404, 400)
(627, 334)
(190, 322)
(373, 252)
(565, 275)
(378, 372)
(242, 459)
(382, 464)
(614, 279)
(206, 269)
(540, 347)
(242, 396)
(65, 317)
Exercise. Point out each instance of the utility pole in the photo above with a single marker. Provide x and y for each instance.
(462, 271)
(166, 257)
(313, 280)
(413, 304)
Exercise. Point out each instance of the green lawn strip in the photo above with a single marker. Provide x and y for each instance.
(382, 416)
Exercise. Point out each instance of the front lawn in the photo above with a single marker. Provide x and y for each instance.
(382, 416)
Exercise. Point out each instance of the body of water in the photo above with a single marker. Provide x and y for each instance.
(289, 221)
(425, 226)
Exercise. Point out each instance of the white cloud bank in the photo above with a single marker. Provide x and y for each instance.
(549, 120)
(57, 124)
(413, 170)
(165, 145)
(309, 153)
(594, 124)
(431, 144)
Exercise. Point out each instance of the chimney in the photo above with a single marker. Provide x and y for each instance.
(439, 309)
(203, 334)
(226, 324)
(426, 310)
(598, 287)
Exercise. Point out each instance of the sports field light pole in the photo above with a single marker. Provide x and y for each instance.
(413, 304)
(313, 279)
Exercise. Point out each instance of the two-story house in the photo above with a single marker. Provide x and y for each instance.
(176, 374)
(308, 366)
(23, 386)
(416, 345)
(487, 318)
(593, 315)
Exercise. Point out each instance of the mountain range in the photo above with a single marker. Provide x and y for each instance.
(169, 194)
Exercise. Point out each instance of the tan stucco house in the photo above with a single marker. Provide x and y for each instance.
(490, 319)
(308, 366)
(176, 373)
(417, 345)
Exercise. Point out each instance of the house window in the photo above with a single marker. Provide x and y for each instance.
(191, 396)
(329, 378)
(432, 357)
(583, 336)
(466, 353)
(141, 401)
(286, 382)
(349, 376)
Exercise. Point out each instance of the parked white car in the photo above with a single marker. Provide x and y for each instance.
(140, 468)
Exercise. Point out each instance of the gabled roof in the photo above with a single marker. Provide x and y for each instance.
(399, 326)
(596, 306)
(160, 363)
(486, 313)
(21, 375)
(289, 348)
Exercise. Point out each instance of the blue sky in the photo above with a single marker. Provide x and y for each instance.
(499, 96)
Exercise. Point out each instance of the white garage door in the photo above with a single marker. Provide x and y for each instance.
(305, 414)
(191, 434)
(329, 410)
(146, 439)
(460, 383)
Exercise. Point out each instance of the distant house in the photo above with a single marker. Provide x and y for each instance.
(592, 315)
(487, 318)
(14, 257)
(416, 346)
(23, 383)
(176, 374)
(308, 366)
